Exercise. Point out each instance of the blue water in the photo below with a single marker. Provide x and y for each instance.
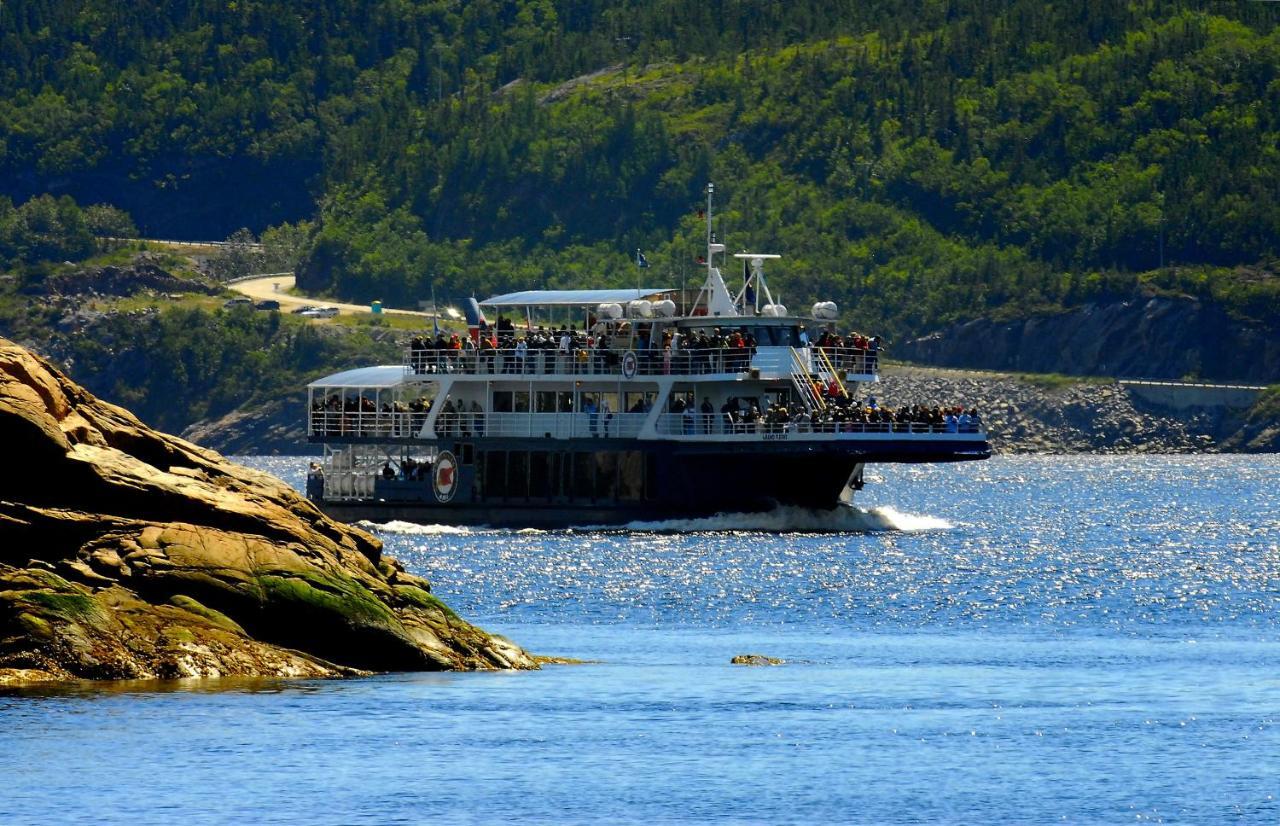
(1026, 639)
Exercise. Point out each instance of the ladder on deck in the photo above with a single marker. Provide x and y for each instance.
(825, 362)
(802, 379)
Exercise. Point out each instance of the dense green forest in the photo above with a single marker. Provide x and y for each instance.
(920, 163)
(185, 364)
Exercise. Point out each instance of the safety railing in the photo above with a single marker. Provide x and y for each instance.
(742, 424)
(471, 423)
(854, 360)
(580, 361)
(390, 424)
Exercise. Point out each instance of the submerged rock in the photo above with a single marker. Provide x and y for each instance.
(755, 659)
(130, 554)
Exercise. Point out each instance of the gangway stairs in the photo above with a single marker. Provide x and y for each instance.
(803, 381)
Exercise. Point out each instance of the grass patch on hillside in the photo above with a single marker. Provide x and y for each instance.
(1058, 381)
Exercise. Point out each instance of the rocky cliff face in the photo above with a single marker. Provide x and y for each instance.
(1145, 337)
(1028, 414)
(127, 553)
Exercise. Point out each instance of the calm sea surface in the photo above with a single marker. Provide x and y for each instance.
(1032, 639)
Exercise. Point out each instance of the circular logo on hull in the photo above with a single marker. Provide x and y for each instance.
(444, 481)
(629, 365)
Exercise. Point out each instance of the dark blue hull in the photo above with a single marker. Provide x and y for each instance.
(521, 482)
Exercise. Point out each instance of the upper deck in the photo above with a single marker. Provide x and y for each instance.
(581, 358)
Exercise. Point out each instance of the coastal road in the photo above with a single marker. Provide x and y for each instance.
(276, 288)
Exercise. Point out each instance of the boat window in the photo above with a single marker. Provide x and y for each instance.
(583, 481)
(521, 401)
(495, 474)
(639, 402)
(651, 476)
(502, 401)
(545, 401)
(564, 401)
(606, 474)
(777, 336)
(542, 474)
(631, 475)
(564, 465)
(517, 475)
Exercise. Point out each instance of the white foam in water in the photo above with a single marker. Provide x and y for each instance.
(844, 519)
(398, 526)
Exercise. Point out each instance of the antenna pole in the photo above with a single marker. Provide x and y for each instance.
(711, 191)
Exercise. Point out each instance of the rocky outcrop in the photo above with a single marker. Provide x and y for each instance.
(127, 553)
(144, 274)
(275, 428)
(1028, 414)
(1147, 336)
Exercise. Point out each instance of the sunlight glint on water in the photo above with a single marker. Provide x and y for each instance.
(1085, 638)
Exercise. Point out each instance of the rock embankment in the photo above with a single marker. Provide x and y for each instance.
(1147, 335)
(1030, 415)
(127, 553)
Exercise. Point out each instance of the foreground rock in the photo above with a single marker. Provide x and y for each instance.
(126, 553)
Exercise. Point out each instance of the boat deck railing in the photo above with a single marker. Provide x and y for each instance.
(721, 424)
(469, 424)
(391, 425)
(409, 425)
(582, 361)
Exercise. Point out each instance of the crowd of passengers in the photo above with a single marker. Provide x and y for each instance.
(599, 348)
(839, 414)
(336, 415)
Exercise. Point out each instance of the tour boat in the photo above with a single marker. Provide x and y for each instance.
(599, 407)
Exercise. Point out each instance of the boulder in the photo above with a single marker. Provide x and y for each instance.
(128, 553)
(755, 659)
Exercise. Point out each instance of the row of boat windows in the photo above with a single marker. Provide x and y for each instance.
(568, 401)
(595, 476)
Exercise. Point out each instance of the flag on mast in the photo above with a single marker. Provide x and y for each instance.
(641, 261)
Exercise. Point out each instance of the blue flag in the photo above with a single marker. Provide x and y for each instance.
(641, 261)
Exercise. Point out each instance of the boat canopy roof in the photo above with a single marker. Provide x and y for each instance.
(571, 298)
(385, 375)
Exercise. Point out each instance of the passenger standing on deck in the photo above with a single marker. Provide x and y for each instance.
(566, 341)
(448, 418)
(522, 353)
(708, 410)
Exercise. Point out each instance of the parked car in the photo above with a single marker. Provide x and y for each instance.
(305, 308)
(268, 304)
(319, 312)
(238, 302)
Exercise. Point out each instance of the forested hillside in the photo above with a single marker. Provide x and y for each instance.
(921, 163)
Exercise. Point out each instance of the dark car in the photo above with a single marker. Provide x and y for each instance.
(268, 304)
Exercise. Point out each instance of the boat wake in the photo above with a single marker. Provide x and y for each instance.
(410, 528)
(843, 519)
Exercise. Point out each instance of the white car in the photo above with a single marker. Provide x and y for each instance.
(319, 312)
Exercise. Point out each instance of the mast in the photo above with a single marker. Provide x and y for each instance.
(719, 302)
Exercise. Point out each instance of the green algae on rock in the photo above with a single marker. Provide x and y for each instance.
(130, 554)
